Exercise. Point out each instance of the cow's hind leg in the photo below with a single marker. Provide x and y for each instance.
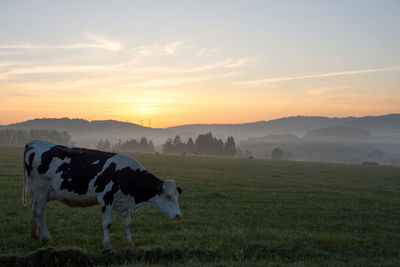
(126, 221)
(106, 218)
(40, 214)
(34, 225)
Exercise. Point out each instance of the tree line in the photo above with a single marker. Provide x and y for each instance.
(12, 137)
(143, 145)
(205, 144)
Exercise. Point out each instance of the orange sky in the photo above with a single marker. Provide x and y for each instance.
(246, 62)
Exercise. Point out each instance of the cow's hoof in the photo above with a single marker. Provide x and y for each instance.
(130, 243)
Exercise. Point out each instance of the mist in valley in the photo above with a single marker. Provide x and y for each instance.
(364, 140)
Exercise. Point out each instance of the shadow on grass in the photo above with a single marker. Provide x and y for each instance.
(79, 257)
(250, 255)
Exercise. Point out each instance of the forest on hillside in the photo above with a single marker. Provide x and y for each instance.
(11, 137)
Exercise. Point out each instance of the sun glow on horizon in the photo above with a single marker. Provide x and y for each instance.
(175, 68)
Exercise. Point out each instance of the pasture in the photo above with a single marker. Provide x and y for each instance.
(235, 212)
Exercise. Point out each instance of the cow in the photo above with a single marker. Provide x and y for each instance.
(80, 177)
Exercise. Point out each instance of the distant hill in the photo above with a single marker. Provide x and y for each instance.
(343, 134)
(72, 124)
(275, 138)
(300, 125)
(88, 133)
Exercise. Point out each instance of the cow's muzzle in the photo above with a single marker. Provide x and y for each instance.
(178, 217)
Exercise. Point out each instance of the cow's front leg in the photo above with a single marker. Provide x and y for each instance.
(106, 218)
(126, 221)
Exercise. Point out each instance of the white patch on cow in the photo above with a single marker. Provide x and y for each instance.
(56, 163)
(124, 202)
(124, 161)
(96, 162)
(108, 187)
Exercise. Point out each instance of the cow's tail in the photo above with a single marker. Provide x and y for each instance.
(25, 188)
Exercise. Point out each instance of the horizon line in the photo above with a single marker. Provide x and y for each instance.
(191, 124)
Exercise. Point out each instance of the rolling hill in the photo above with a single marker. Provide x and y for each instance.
(87, 133)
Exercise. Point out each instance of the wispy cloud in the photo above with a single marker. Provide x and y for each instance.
(95, 41)
(56, 69)
(313, 75)
(7, 53)
(206, 52)
(320, 91)
(239, 63)
(8, 63)
(159, 50)
(102, 43)
(224, 64)
(173, 81)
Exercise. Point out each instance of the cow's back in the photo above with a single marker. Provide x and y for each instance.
(77, 176)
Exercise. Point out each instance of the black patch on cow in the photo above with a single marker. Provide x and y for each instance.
(29, 168)
(139, 184)
(103, 209)
(84, 165)
(28, 165)
(109, 196)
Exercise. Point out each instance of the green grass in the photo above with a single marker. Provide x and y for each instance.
(235, 212)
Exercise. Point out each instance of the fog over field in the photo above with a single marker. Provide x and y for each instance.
(368, 140)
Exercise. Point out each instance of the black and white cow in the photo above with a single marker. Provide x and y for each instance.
(81, 177)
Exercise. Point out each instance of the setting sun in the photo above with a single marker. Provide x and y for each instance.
(271, 63)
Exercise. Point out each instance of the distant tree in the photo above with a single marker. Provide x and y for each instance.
(190, 146)
(177, 140)
(219, 147)
(143, 145)
(168, 147)
(179, 146)
(278, 154)
(107, 145)
(207, 144)
(230, 147)
(151, 146)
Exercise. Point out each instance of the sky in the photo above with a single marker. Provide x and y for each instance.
(167, 63)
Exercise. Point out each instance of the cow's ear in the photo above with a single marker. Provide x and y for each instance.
(160, 189)
(179, 190)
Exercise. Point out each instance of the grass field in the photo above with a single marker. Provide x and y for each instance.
(235, 212)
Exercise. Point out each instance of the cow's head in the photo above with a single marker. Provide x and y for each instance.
(166, 199)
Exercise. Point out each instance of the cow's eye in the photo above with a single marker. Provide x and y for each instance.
(169, 197)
